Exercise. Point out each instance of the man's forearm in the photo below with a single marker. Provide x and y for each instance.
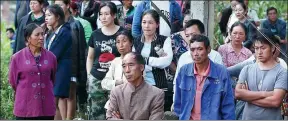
(265, 102)
(249, 96)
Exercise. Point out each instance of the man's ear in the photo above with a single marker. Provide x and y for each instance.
(142, 67)
(208, 49)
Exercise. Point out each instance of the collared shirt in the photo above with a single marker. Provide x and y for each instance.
(145, 102)
(230, 57)
(37, 19)
(196, 110)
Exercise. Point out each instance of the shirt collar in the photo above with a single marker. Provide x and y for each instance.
(136, 89)
(37, 19)
(231, 50)
(143, 38)
(206, 72)
(213, 73)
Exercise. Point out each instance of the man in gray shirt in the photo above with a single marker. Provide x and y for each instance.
(262, 85)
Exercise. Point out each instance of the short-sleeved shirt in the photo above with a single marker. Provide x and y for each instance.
(230, 57)
(105, 51)
(263, 80)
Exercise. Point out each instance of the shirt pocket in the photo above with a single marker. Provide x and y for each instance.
(186, 90)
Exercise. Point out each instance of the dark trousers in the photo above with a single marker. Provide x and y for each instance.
(36, 118)
(168, 100)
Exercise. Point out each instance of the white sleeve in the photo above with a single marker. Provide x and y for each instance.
(163, 62)
(108, 82)
(218, 58)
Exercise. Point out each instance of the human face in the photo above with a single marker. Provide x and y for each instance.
(127, 3)
(240, 12)
(199, 52)
(106, 17)
(186, 19)
(123, 44)
(50, 19)
(272, 15)
(132, 70)
(149, 25)
(64, 7)
(263, 51)
(238, 35)
(37, 38)
(35, 6)
(191, 31)
(233, 4)
(9, 34)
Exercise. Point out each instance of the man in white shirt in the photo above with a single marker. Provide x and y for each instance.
(186, 57)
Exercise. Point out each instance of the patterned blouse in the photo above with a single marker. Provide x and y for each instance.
(230, 57)
(179, 46)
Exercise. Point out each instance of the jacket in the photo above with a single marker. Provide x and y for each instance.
(78, 52)
(61, 47)
(33, 83)
(145, 102)
(280, 25)
(20, 39)
(217, 101)
(175, 15)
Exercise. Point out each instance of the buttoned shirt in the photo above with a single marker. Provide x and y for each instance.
(230, 57)
(145, 102)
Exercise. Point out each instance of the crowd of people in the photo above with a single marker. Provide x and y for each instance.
(151, 61)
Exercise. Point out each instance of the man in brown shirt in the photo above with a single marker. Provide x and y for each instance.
(135, 100)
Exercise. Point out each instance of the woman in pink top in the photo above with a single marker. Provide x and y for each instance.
(234, 52)
(31, 75)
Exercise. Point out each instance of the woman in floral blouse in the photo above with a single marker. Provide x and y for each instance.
(234, 51)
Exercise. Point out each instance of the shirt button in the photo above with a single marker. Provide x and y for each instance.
(43, 97)
(43, 85)
(38, 84)
(34, 85)
(38, 73)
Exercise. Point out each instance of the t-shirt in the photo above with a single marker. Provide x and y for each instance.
(105, 51)
(263, 80)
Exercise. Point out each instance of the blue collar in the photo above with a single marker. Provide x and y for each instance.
(212, 74)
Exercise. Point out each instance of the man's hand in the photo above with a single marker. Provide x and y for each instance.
(283, 41)
(128, 26)
(116, 114)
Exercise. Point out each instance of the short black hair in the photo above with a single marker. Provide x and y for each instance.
(138, 57)
(10, 30)
(28, 30)
(262, 39)
(269, 9)
(196, 22)
(201, 38)
(127, 34)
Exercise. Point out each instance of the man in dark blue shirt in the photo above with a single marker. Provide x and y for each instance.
(278, 27)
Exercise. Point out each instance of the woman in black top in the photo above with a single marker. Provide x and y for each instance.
(102, 50)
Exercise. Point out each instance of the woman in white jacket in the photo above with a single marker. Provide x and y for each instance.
(114, 77)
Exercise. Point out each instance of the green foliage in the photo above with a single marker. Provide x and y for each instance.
(6, 98)
(259, 6)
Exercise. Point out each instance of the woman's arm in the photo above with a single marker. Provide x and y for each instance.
(90, 59)
(163, 62)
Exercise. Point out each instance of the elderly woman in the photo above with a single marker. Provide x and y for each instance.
(32, 76)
